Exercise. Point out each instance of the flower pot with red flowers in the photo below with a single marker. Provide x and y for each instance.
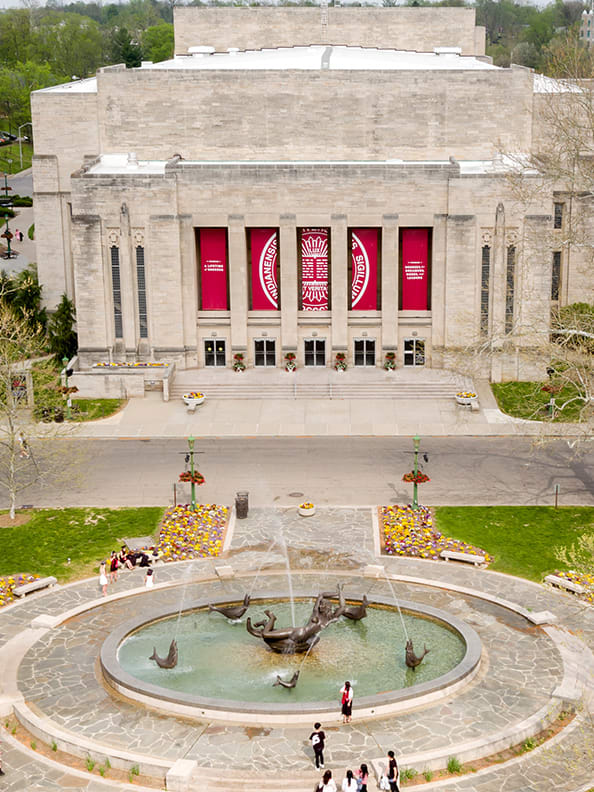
(340, 363)
(238, 364)
(416, 478)
(290, 364)
(390, 361)
(192, 478)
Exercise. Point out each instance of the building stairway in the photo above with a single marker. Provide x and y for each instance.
(327, 390)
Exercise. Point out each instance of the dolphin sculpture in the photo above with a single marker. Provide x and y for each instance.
(412, 660)
(233, 611)
(166, 662)
(290, 684)
(356, 612)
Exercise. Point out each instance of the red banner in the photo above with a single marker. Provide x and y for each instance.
(264, 248)
(415, 269)
(213, 269)
(314, 269)
(364, 259)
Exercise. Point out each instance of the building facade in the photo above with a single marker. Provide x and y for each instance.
(306, 181)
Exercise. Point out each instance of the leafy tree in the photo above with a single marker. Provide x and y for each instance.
(70, 43)
(16, 36)
(157, 42)
(124, 50)
(62, 339)
(16, 84)
(22, 293)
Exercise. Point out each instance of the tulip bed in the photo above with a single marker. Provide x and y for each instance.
(8, 584)
(186, 534)
(582, 579)
(408, 532)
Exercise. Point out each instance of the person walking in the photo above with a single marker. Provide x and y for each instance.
(346, 701)
(103, 578)
(149, 579)
(327, 783)
(318, 740)
(349, 784)
(393, 773)
(362, 778)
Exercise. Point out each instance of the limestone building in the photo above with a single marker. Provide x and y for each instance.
(300, 180)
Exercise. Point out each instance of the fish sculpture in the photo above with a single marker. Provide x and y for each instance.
(290, 684)
(412, 660)
(233, 611)
(166, 662)
(356, 612)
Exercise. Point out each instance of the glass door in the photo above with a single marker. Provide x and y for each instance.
(214, 352)
(315, 352)
(265, 352)
(364, 352)
(414, 351)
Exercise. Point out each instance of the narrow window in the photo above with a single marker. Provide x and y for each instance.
(485, 285)
(117, 291)
(556, 275)
(558, 217)
(141, 283)
(509, 288)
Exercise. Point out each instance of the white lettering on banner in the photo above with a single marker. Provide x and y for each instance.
(213, 265)
(414, 270)
(314, 269)
(360, 271)
(267, 270)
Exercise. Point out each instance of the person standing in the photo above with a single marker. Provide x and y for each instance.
(346, 702)
(327, 783)
(362, 778)
(149, 579)
(103, 578)
(393, 773)
(113, 567)
(318, 740)
(349, 784)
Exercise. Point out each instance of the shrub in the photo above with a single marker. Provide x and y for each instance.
(31, 231)
(90, 764)
(428, 775)
(454, 765)
(409, 773)
(54, 745)
(33, 745)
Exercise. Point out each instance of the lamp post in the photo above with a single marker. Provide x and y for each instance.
(416, 442)
(193, 485)
(7, 235)
(68, 401)
(27, 123)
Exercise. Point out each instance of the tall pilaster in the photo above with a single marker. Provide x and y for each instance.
(238, 291)
(438, 281)
(127, 281)
(189, 279)
(498, 281)
(390, 284)
(339, 282)
(288, 282)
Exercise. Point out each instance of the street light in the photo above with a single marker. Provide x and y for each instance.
(27, 123)
(416, 442)
(193, 484)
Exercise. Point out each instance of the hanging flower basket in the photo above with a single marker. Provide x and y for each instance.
(238, 364)
(290, 364)
(416, 478)
(340, 363)
(390, 361)
(193, 397)
(306, 509)
(466, 397)
(189, 478)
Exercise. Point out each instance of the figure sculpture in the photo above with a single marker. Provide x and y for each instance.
(411, 659)
(290, 684)
(166, 662)
(356, 612)
(233, 611)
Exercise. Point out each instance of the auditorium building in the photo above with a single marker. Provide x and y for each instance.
(303, 180)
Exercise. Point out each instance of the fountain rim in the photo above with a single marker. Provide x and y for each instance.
(200, 706)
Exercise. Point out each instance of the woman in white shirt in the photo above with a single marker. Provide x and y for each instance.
(349, 784)
(327, 783)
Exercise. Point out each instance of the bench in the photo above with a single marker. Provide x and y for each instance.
(554, 580)
(36, 585)
(470, 558)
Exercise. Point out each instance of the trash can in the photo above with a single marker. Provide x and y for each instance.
(241, 505)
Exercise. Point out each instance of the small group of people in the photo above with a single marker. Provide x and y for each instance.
(352, 782)
(126, 559)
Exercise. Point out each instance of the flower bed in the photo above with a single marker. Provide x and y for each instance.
(130, 365)
(186, 534)
(408, 532)
(8, 585)
(582, 579)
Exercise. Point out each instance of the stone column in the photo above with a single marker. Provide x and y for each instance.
(390, 283)
(165, 306)
(438, 282)
(189, 286)
(238, 286)
(339, 284)
(289, 283)
(498, 280)
(128, 284)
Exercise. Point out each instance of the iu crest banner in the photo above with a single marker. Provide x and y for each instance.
(364, 250)
(264, 250)
(415, 269)
(213, 269)
(314, 269)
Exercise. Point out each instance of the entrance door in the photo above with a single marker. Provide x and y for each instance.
(315, 352)
(214, 352)
(364, 352)
(414, 351)
(265, 352)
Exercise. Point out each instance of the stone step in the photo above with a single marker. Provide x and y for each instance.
(325, 391)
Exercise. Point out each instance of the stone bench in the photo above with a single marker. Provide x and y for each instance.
(470, 558)
(554, 580)
(36, 585)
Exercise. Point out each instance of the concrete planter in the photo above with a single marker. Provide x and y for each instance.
(466, 400)
(306, 512)
(189, 401)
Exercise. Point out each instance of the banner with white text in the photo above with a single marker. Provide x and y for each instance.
(264, 254)
(364, 250)
(415, 269)
(213, 269)
(314, 269)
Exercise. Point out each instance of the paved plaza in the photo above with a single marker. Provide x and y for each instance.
(528, 673)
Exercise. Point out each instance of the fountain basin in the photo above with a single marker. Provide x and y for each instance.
(235, 680)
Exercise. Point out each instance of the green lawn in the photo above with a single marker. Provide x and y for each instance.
(86, 536)
(528, 400)
(91, 409)
(522, 539)
(11, 152)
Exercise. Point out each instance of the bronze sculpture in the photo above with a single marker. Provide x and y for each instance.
(233, 611)
(290, 684)
(411, 659)
(168, 662)
(356, 612)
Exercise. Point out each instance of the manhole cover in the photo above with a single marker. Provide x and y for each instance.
(295, 494)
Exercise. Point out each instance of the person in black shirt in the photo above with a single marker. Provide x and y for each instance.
(317, 738)
(393, 773)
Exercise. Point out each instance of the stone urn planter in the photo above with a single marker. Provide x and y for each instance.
(193, 398)
(466, 397)
(306, 509)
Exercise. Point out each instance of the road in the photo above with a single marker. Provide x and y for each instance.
(328, 471)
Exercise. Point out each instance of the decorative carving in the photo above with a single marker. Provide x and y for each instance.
(138, 234)
(113, 236)
(512, 237)
(487, 236)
